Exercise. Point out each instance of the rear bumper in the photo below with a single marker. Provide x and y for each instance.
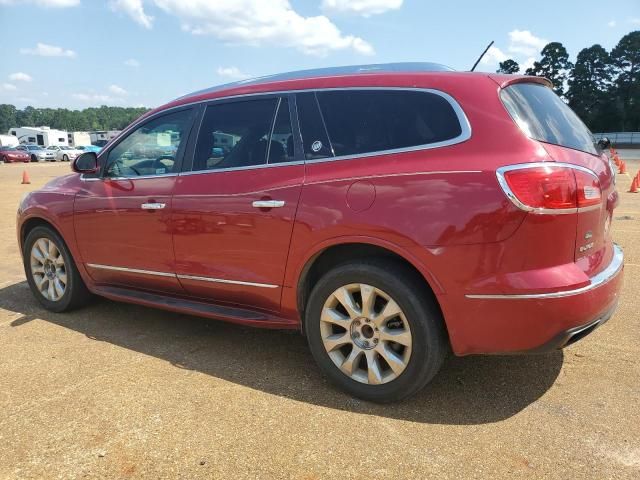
(536, 322)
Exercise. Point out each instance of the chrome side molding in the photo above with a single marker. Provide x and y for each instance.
(177, 276)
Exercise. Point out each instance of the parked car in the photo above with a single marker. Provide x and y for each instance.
(89, 148)
(12, 155)
(391, 213)
(37, 153)
(64, 153)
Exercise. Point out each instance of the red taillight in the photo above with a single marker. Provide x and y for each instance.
(539, 187)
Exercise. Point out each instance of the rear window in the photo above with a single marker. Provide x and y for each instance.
(366, 121)
(543, 116)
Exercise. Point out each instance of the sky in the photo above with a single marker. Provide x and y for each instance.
(85, 53)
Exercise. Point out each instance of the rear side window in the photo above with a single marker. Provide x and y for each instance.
(314, 134)
(366, 121)
(543, 116)
(237, 134)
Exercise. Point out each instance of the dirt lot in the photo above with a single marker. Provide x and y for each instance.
(121, 391)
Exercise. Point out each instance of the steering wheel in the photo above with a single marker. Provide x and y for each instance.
(157, 163)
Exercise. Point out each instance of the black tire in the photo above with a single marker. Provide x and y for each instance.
(76, 293)
(65, 158)
(34, 158)
(4, 160)
(429, 338)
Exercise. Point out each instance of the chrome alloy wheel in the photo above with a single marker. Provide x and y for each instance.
(48, 269)
(366, 334)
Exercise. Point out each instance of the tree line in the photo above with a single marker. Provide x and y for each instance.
(100, 118)
(602, 87)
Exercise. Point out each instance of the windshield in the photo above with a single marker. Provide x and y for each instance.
(52, 148)
(543, 116)
(33, 147)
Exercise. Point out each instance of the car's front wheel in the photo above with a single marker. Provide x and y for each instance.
(34, 158)
(65, 158)
(51, 272)
(373, 330)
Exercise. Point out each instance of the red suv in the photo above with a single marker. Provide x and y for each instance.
(389, 212)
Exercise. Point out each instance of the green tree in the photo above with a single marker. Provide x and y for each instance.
(626, 60)
(554, 64)
(508, 66)
(7, 118)
(589, 86)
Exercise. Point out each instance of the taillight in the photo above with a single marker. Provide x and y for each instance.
(550, 187)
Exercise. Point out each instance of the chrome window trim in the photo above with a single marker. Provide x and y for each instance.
(140, 177)
(541, 211)
(602, 278)
(222, 280)
(179, 276)
(248, 167)
(465, 126)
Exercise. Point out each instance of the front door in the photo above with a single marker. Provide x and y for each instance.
(233, 213)
(122, 217)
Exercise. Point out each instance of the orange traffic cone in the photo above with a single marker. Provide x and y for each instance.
(25, 178)
(623, 167)
(634, 185)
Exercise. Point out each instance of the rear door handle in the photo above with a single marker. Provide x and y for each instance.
(153, 206)
(268, 203)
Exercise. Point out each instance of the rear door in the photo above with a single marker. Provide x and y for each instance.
(233, 212)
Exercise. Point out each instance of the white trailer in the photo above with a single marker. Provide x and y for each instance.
(43, 136)
(8, 141)
(79, 139)
(101, 137)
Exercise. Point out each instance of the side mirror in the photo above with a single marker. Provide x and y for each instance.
(604, 143)
(85, 163)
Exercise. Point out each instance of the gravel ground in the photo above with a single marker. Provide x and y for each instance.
(121, 391)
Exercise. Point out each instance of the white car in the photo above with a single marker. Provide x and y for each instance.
(63, 153)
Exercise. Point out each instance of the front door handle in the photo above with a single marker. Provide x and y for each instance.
(268, 203)
(152, 206)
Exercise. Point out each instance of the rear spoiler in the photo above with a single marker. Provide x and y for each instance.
(504, 80)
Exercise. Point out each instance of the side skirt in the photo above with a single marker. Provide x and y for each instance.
(201, 309)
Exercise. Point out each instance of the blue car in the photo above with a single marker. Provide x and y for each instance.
(89, 148)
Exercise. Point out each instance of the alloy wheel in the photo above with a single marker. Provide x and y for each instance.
(366, 334)
(48, 269)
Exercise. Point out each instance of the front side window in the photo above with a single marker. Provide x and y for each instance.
(367, 121)
(238, 134)
(150, 149)
(543, 116)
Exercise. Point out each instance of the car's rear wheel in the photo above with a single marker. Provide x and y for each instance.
(51, 272)
(373, 330)
(65, 158)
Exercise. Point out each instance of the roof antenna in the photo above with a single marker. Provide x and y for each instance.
(480, 58)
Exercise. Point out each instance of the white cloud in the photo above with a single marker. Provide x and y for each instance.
(365, 8)
(94, 98)
(233, 73)
(117, 90)
(44, 50)
(8, 86)
(43, 3)
(134, 9)
(634, 21)
(132, 62)
(611, 23)
(494, 56)
(20, 77)
(525, 43)
(528, 63)
(252, 22)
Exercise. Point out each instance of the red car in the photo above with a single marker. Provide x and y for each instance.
(392, 213)
(12, 155)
